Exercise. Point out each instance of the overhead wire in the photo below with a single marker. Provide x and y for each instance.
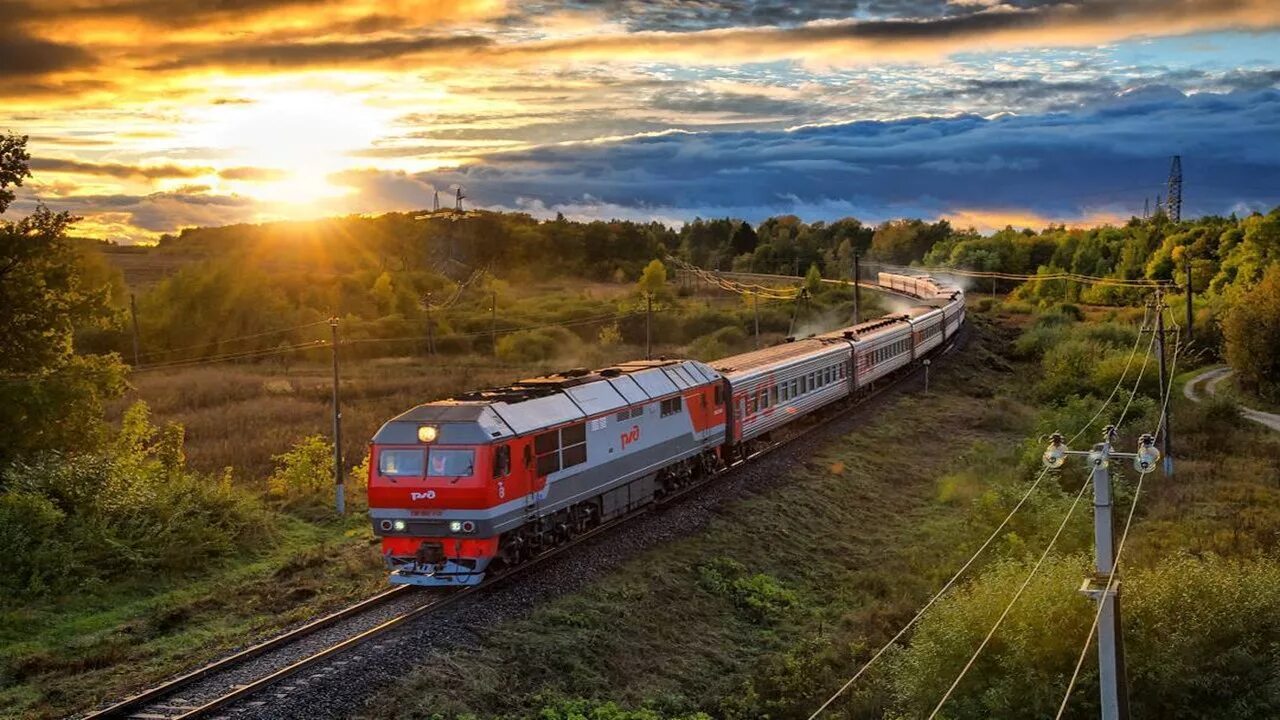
(1012, 601)
(238, 338)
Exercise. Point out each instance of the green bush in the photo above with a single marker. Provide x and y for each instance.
(304, 473)
(580, 709)
(761, 597)
(529, 346)
(70, 518)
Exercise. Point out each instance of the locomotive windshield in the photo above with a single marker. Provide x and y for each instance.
(394, 463)
(451, 463)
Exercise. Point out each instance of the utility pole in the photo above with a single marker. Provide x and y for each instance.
(133, 311)
(856, 290)
(1166, 432)
(755, 302)
(925, 362)
(648, 326)
(493, 322)
(339, 489)
(435, 202)
(1146, 207)
(1103, 587)
(1190, 313)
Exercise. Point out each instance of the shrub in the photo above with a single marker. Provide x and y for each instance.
(762, 597)
(70, 518)
(540, 345)
(304, 473)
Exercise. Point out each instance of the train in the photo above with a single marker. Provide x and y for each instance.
(492, 478)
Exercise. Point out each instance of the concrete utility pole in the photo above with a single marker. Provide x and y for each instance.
(648, 326)
(856, 290)
(755, 301)
(133, 311)
(1190, 312)
(339, 489)
(1103, 587)
(1167, 432)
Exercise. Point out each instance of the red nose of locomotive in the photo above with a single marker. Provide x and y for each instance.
(433, 494)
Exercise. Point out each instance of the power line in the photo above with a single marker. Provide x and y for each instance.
(1027, 581)
(234, 339)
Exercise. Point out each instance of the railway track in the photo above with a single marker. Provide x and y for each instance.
(213, 689)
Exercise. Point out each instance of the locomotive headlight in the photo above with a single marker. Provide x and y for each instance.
(427, 433)
(399, 526)
(455, 526)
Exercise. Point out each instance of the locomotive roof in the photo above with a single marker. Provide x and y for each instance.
(535, 403)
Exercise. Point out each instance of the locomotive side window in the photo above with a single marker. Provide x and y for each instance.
(547, 448)
(502, 461)
(719, 392)
(671, 406)
(574, 442)
(397, 463)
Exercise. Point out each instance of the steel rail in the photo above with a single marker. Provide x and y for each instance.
(136, 702)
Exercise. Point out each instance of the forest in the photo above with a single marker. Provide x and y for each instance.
(103, 490)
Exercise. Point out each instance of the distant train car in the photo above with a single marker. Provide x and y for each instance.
(504, 474)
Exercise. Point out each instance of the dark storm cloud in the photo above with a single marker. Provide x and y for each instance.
(1057, 165)
(117, 170)
(254, 54)
(22, 56)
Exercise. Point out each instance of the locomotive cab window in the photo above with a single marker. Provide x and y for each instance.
(399, 463)
(446, 462)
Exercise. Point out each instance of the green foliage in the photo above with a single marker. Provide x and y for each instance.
(68, 519)
(759, 596)
(50, 398)
(653, 281)
(1202, 639)
(530, 346)
(1252, 332)
(580, 709)
(813, 279)
(15, 166)
(304, 474)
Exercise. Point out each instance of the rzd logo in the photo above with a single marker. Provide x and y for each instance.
(428, 495)
(630, 436)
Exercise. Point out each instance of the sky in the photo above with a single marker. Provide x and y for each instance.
(148, 116)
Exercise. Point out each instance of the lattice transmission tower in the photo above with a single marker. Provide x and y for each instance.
(1174, 202)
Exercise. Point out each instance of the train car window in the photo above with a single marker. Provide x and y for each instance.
(773, 395)
(447, 462)
(751, 404)
(397, 463)
(795, 388)
(719, 395)
(502, 461)
(547, 442)
(782, 393)
(573, 435)
(671, 407)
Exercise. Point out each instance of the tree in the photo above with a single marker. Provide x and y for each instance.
(1252, 333)
(653, 281)
(15, 165)
(50, 398)
(813, 279)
